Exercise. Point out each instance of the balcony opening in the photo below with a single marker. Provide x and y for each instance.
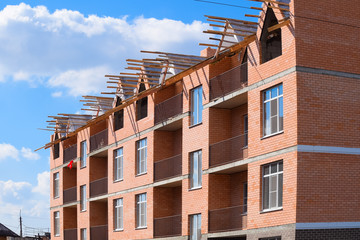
(98, 136)
(70, 222)
(98, 176)
(141, 104)
(271, 46)
(118, 116)
(99, 220)
(69, 184)
(56, 147)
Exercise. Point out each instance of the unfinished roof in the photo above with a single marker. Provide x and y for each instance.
(5, 232)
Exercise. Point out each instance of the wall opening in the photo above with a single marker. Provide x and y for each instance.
(271, 46)
(118, 116)
(141, 104)
(56, 147)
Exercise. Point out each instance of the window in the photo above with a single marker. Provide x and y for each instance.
(141, 104)
(272, 185)
(196, 106)
(83, 198)
(270, 41)
(245, 130)
(195, 169)
(118, 164)
(118, 214)
(83, 154)
(271, 238)
(195, 227)
(141, 210)
(245, 197)
(56, 147)
(83, 234)
(273, 110)
(57, 223)
(118, 116)
(141, 155)
(56, 185)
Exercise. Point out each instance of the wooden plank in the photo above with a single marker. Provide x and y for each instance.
(225, 33)
(231, 19)
(250, 15)
(257, 8)
(277, 26)
(208, 45)
(216, 39)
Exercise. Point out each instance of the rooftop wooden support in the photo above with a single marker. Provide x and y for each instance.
(277, 26)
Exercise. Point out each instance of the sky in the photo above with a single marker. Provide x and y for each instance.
(52, 52)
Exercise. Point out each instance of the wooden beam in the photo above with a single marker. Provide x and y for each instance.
(225, 33)
(231, 19)
(208, 45)
(250, 15)
(277, 26)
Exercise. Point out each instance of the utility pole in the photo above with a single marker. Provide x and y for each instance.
(21, 233)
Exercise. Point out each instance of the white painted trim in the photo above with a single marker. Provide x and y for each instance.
(327, 225)
(328, 149)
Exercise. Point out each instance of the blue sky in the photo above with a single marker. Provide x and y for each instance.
(52, 53)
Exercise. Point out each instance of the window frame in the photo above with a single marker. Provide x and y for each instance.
(196, 176)
(118, 165)
(119, 214)
(280, 99)
(195, 219)
(141, 210)
(56, 183)
(57, 223)
(83, 233)
(83, 206)
(83, 154)
(279, 192)
(271, 238)
(141, 169)
(196, 106)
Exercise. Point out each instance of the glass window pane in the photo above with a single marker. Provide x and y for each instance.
(281, 114)
(274, 92)
(280, 166)
(267, 95)
(281, 89)
(274, 167)
(280, 190)
(267, 118)
(274, 107)
(267, 170)
(273, 183)
(200, 105)
(273, 199)
(274, 125)
(266, 193)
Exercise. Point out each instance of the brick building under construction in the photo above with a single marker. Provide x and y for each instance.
(257, 138)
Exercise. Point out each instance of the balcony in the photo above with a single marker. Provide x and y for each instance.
(167, 226)
(70, 234)
(99, 187)
(229, 150)
(167, 168)
(70, 153)
(99, 232)
(168, 108)
(99, 140)
(229, 81)
(69, 195)
(227, 219)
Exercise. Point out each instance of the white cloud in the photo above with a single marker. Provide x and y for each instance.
(12, 188)
(57, 94)
(8, 151)
(29, 154)
(76, 51)
(43, 184)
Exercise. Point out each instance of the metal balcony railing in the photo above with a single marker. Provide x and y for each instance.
(229, 150)
(227, 219)
(167, 226)
(99, 140)
(99, 232)
(70, 153)
(229, 81)
(167, 168)
(99, 187)
(69, 195)
(70, 234)
(168, 108)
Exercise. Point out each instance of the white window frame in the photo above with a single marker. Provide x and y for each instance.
(268, 98)
(141, 210)
(83, 233)
(277, 188)
(83, 198)
(196, 106)
(118, 214)
(56, 186)
(118, 164)
(83, 154)
(195, 227)
(141, 156)
(196, 169)
(56, 223)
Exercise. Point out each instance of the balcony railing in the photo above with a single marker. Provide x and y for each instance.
(70, 153)
(99, 187)
(168, 108)
(229, 81)
(167, 168)
(229, 150)
(70, 234)
(167, 226)
(99, 140)
(227, 219)
(69, 195)
(99, 232)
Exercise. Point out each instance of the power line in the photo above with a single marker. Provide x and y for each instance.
(225, 4)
